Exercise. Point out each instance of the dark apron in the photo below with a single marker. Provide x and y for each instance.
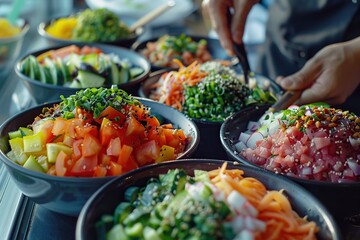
(297, 30)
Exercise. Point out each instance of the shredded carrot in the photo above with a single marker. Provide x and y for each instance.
(170, 87)
(273, 206)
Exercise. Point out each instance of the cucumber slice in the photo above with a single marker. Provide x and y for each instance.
(135, 71)
(75, 83)
(124, 75)
(32, 164)
(25, 66)
(26, 131)
(34, 68)
(73, 62)
(52, 70)
(65, 71)
(53, 150)
(89, 79)
(15, 134)
(115, 76)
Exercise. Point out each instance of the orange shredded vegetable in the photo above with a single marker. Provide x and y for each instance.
(170, 87)
(273, 206)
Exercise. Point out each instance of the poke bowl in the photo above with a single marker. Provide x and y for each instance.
(63, 70)
(90, 26)
(208, 97)
(11, 39)
(320, 156)
(160, 51)
(179, 186)
(59, 154)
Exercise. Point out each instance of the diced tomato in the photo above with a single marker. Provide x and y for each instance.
(115, 169)
(130, 165)
(105, 159)
(86, 129)
(132, 140)
(133, 127)
(100, 171)
(108, 131)
(84, 115)
(72, 124)
(125, 154)
(77, 149)
(147, 153)
(85, 166)
(171, 138)
(158, 135)
(139, 112)
(67, 140)
(44, 126)
(152, 122)
(91, 146)
(61, 160)
(114, 147)
(60, 126)
(111, 114)
(51, 171)
(88, 50)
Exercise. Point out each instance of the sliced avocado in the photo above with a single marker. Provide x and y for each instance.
(135, 71)
(52, 70)
(32, 164)
(89, 79)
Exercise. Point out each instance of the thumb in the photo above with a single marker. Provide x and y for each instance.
(302, 79)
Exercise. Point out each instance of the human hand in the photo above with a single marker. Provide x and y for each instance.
(331, 75)
(228, 29)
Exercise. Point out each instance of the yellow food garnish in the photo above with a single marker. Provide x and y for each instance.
(62, 28)
(7, 30)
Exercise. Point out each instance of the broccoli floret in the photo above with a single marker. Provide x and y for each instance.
(100, 25)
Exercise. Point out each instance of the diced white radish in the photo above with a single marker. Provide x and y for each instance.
(240, 146)
(267, 117)
(238, 224)
(244, 137)
(249, 223)
(251, 142)
(245, 235)
(253, 126)
(250, 210)
(264, 129)
(236, 201)
(259, 225)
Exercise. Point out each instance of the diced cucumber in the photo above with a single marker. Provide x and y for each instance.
(134, 230)
(131, 193)
(32, 164)
(52, 70)
(43, 161)
(11, 155)
(124, 75)
(15, 134)
(117, 232)
(34, 143)
(122, 211)
(26, 131)
(17, 146)
(34, 68)
(89, 79)
(150, 234)
(53, 150)
(135, 71)
(115, 76)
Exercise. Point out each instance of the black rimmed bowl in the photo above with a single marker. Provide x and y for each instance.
(45, 92)
(210, 145)
(213, 46)
(67, 195)
(105, 200)
(126, 42)
(341, 199)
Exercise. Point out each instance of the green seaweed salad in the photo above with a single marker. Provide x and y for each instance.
(210, 91)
